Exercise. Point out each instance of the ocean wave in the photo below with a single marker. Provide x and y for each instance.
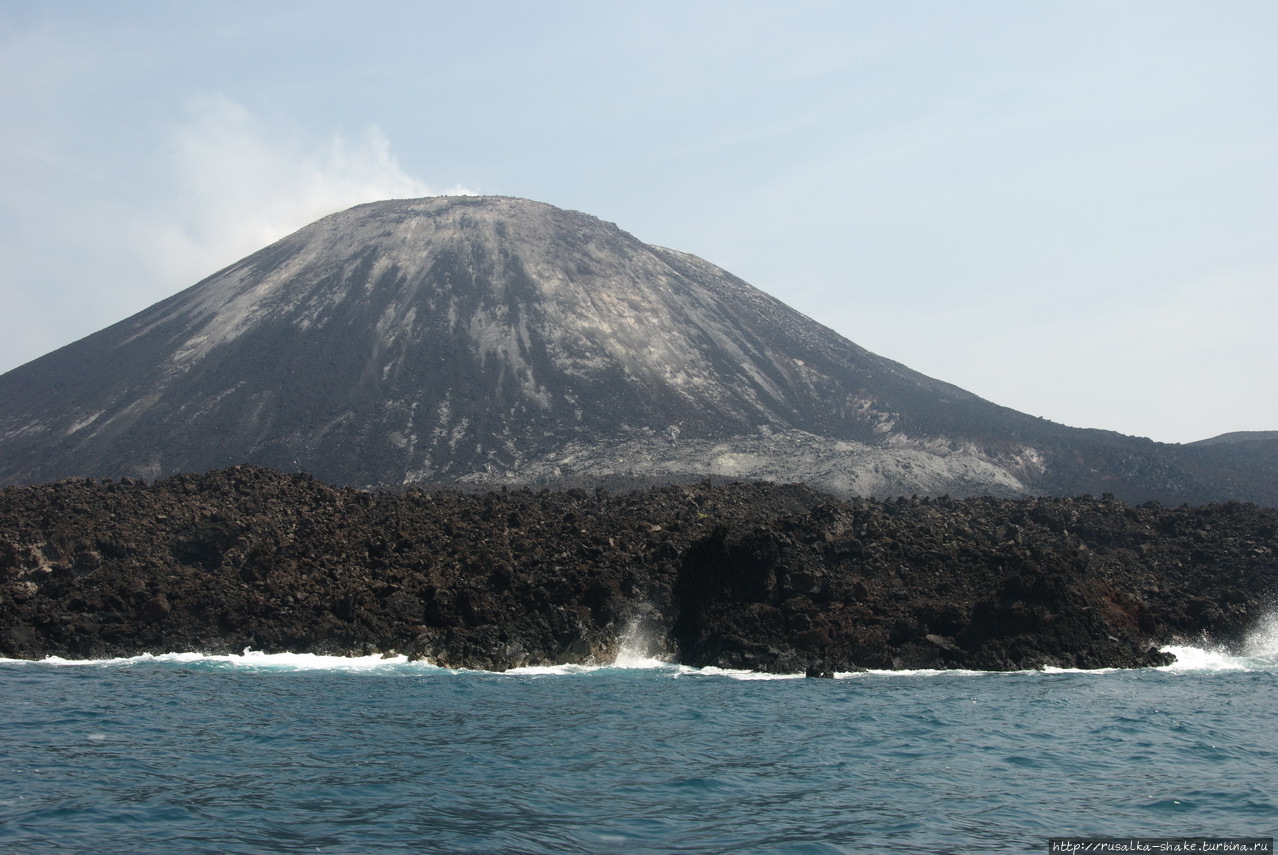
(1258, 652)
(640, 652)
(253, 659)
(1188, 659)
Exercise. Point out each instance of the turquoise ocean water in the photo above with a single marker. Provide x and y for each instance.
(255, 754)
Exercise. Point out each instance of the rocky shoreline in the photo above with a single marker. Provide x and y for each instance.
(760, 576)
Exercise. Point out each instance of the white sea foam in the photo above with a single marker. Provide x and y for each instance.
(711, 671)
(1202, 659)
(250, 659)
(1262, 643)
(632, 660)
(1258, 652)
(667, 669)
(315, 662)
(549, 670)
(643, 648)
(1051, 669)
(640, 647)
(632, 656)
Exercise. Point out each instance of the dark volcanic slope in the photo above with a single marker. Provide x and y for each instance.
(499, 339)
(759, 576)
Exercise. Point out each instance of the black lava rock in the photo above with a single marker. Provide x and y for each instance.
(761, 576)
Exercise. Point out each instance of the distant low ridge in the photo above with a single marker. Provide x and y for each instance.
(499, 341)
(1240, 436)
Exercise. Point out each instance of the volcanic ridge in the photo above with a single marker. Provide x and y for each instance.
(499, 341)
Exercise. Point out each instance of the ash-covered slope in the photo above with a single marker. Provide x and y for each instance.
(496, 339)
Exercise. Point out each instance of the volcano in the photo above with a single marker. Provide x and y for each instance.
(493, 340)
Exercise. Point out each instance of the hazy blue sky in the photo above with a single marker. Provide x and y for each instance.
(1069, 208)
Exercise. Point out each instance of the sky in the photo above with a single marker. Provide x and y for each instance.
(1067, 208)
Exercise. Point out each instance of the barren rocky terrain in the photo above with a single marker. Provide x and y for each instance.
(777, 578)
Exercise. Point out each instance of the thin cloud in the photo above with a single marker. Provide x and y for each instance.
(218, 185)
(240, 183)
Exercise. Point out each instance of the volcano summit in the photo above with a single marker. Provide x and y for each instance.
(498, 340)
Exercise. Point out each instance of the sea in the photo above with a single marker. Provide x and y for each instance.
(255, 753)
